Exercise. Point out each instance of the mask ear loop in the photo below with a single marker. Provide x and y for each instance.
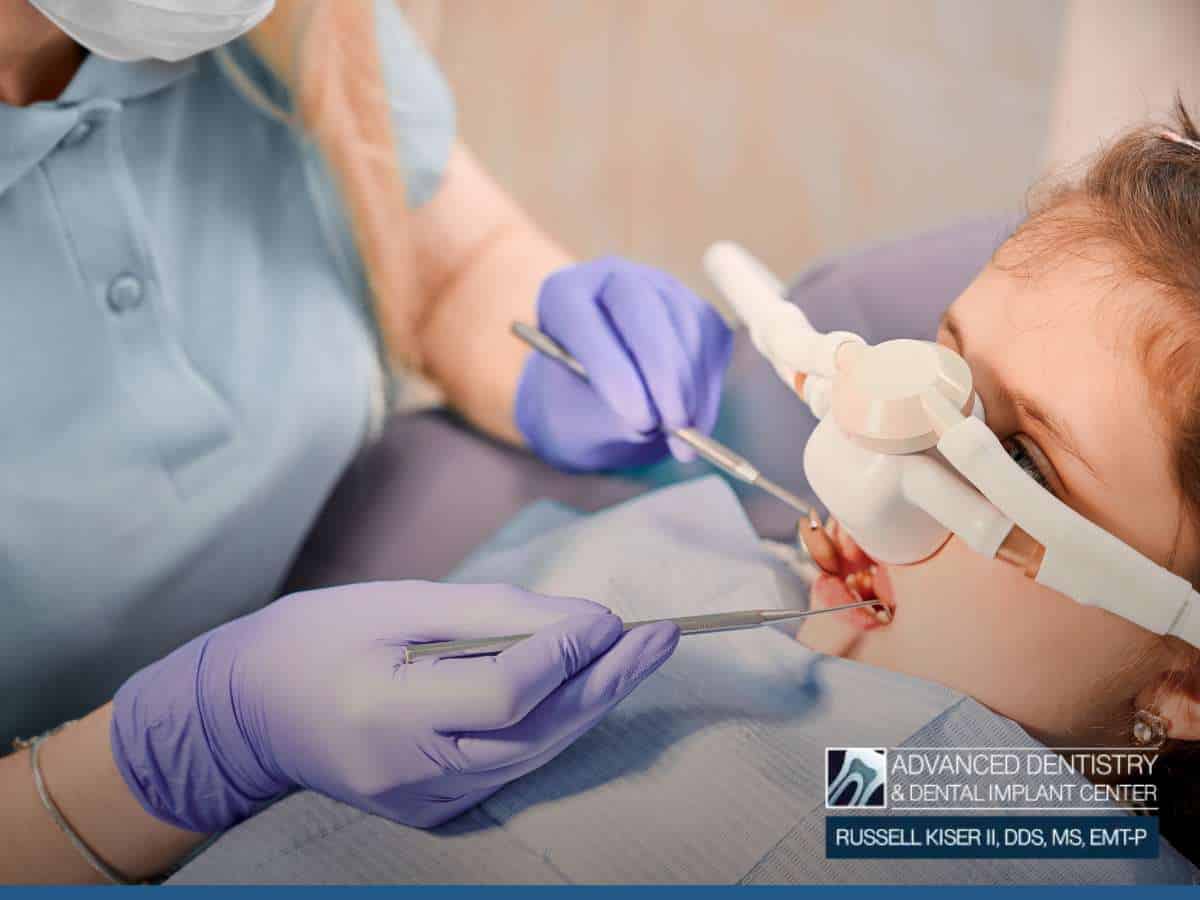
(253, 94)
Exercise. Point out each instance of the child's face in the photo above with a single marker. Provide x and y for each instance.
(1057, 371)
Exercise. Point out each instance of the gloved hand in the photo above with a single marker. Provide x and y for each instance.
(312, 691)
(655, 355)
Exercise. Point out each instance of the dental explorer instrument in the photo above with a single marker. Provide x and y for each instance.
(705, 624)
(715, 452)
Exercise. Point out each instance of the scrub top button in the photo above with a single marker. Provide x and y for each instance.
(125, 292)
(77, 134)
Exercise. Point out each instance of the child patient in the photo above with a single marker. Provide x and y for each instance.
(1083, 336)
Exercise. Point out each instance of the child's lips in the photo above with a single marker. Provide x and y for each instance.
(856, 576)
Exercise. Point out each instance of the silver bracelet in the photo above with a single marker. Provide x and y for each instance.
(34, 745)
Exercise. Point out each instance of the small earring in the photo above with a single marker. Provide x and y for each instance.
(1149, 729)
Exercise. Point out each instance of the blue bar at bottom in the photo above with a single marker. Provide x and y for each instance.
(1010, 837)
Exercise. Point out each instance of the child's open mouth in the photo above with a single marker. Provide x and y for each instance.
(849, 575)
(833, 590)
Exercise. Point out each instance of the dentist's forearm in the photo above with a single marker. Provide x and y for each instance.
(480, 365)
(489, 260)
(82, 779)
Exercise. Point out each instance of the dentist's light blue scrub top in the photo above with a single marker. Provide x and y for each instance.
(186, 364)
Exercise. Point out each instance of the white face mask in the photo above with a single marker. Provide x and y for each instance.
(171, 30)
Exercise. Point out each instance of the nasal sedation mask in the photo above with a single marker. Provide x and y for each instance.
(903, 459)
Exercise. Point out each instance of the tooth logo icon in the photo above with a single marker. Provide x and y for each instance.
(855, 777)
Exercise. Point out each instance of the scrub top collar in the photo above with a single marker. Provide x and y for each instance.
(29, 133)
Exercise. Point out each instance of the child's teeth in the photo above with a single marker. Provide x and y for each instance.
(882, 615)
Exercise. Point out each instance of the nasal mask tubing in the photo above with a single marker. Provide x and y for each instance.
(902, 458)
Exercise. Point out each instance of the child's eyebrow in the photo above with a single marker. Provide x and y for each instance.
(950, 323)
(1053, 425)
(1028, 406)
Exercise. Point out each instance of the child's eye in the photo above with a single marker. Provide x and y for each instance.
(1023, 456)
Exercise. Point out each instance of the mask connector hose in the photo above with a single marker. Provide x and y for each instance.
(778, 329)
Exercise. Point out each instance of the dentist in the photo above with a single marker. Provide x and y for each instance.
(231, 233)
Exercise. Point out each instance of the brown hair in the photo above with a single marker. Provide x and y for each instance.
(1141, 197)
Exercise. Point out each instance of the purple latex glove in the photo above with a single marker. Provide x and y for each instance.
(655, 355)
(312, 692)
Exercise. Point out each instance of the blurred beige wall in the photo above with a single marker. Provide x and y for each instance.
(1121, 63)
(799, 127)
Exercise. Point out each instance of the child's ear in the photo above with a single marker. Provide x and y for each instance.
(1176, 697)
